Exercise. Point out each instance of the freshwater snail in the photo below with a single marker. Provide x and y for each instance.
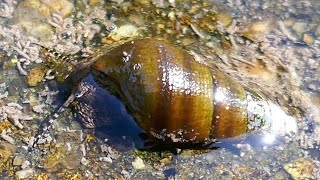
(177, 100)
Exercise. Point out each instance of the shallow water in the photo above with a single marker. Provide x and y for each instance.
(269, 46)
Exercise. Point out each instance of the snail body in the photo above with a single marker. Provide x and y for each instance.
(175, 99)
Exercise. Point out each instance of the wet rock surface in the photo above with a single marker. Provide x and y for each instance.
(65, 154)
(32, 16)
(300, 168)
(36, 75)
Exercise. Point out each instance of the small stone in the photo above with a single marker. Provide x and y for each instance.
(124, 32)
(105, 159)
(45, 8)
(210, 157)
(312, 87)
(38, 108)
(161, 26)
(125, 174)
(187, 153)
(36, 75)
(25, 164)
(279, 175)
(31, 16)
(172, 15)
(187, 41)
(84, 161)
(42, 32)
(117, 2)
(257, 30)
(17, 161)
(138, 164)
(260, 26)
(41, 141)
(308, 39)
(300, 27)
(224, 18)
(172, 3)
(23, 174)
(6, 150)
(312, 64)
(299, 169)
(211, 45)
(165, 161)
(60, 158)
(142, 3)
(137, 19)
(289, 22)
(94, 2)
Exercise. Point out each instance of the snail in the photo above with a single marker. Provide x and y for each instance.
(177, 100)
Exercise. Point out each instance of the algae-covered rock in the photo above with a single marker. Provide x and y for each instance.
(24, 174)
(65, 154)
(61, 158)
(40, 31)
(31, 16)
(17, 161)
(6, 151)
(36, 75)
(301, 168)
(224, 18)
(45, 8)
(256, 30)
(299, 28)
(209, 21)
(94, 2)
(308, 39)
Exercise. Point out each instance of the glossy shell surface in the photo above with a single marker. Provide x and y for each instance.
(170, 95)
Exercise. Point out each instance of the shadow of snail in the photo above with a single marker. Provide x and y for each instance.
(171, 97)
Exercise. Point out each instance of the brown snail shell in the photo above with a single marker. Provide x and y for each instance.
(176, 99)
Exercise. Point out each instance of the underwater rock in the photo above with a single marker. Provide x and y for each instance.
(65, 154)
(300, 168)
(17, 161)
(31, 16)
(124, 32)
(94, 2)
(24, 174)
(300, 28)
(6, 151)
(138, 164)
(308, 39)
(257, 30)
(60, 158)
(36, 75)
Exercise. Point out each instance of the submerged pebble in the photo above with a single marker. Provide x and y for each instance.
(31, 16)
(60, 158)
(24, 174)
(308, 39)
(300, 169)
(6, 150)
(36, 75)
(138, 164)
(123, 32)
(17, 161)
